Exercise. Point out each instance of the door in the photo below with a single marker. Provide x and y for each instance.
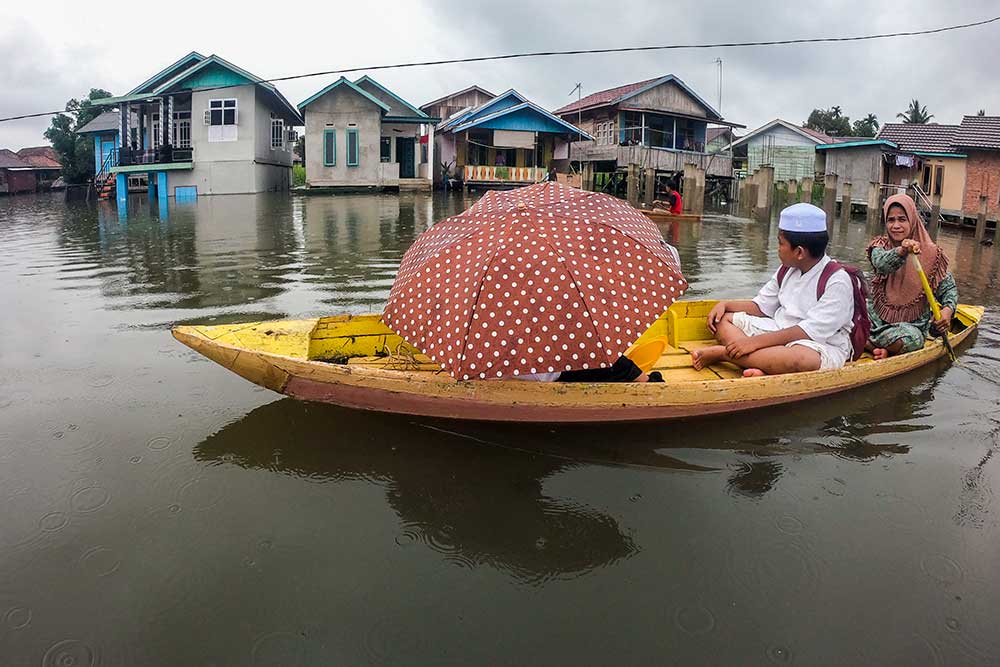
(404, 156)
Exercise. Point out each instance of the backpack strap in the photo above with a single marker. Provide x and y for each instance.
(782, 272)
(831, 268)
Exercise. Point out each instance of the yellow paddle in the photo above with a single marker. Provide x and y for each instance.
(935, 308)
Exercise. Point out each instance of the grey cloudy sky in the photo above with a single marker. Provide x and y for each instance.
(51, 51)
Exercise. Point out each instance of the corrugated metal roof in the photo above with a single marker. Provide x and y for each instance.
(40, 157)
(10, 160)
(978, 132)
(930, 137)
(106, 122)
(605, 96)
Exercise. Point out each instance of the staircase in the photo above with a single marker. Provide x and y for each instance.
(104, 180)
(925, 206)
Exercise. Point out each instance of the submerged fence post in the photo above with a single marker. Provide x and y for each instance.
(830, 198)
(845, 204)
(649, 190)
(632, 184)
(807, 190)
(793, 191)
(981, 220)
(874, 212)
(934, 225)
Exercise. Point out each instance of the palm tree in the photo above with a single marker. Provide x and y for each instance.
(835, 111)
(981, 112)
(872, 120)
(915, 114)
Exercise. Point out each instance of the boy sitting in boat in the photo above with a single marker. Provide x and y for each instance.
(787, 327)
(672, 203)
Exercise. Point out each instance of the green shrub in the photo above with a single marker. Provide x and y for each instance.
(298, 175)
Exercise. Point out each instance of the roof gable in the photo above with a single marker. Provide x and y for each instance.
(457, 93)
(637, 90)
(167, 73)
(526, 116)
(343, 81)
(398, 107)
(10, 160)
(503, 101)
(814, 136)
(210, 72)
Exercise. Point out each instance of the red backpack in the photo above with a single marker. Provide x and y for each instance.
(862, 325)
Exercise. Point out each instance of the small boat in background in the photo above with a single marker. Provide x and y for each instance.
(661, 216)
(356, 361)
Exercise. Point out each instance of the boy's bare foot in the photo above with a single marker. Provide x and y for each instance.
(707, 356)
(753, 373)
(880, 353)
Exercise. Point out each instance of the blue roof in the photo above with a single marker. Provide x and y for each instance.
(526, 117)
(167, 72)
(343, 81)
(505, 100)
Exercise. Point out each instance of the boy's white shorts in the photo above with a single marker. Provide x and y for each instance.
(751, 325)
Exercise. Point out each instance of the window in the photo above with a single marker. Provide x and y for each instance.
(182, 129)
(926, 184)
(222, 119)
(277, 132)
(385, 149)
(352, 148)
(939, 180)
(155, 137)
(329, 148)
(605, 133)
(222, 112)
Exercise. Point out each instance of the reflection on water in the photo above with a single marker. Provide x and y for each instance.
(212, 522)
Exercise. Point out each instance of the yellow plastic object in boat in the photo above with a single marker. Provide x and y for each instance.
(645, 354)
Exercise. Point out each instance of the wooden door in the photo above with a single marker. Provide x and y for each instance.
(404, 156)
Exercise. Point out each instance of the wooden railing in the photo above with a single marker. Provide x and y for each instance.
(504, 174)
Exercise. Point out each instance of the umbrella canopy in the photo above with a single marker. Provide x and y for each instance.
(539, 279)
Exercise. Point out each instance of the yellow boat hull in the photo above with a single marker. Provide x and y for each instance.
(358, 362)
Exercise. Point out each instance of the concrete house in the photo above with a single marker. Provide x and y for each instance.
(658, 123)
(229, 132)
(978, 137)
(507, 140)
(359, 134)
(859, 163)
(942, 168)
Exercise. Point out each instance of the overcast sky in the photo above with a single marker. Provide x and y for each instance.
(51, 51)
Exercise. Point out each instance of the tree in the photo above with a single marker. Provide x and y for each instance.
(981, 112)
(915, 114)
(830, 121)
(866, 127)
(75, 152)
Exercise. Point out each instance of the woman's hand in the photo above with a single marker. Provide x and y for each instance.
(943, 325)
(715, 315)
(909, 246)
(742, 347)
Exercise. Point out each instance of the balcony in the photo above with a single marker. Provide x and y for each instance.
(152, 159)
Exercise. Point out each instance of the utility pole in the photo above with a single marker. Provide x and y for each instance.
(578, 89)
(718, 61)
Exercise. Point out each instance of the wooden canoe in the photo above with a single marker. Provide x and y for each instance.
(661, 216)
(356, 361)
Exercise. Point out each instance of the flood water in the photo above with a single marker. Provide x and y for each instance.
(159, 510)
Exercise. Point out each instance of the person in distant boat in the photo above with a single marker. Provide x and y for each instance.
(900, 314)
(787, 327)
(672, 202)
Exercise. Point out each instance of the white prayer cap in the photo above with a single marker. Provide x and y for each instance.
(802, 218)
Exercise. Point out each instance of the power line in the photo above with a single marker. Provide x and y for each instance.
(575, 52)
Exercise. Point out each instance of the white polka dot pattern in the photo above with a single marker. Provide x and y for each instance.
(539, 279)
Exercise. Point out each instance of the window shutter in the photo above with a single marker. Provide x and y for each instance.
(329, 148)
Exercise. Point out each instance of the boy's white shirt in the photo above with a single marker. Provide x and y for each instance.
(828, 321)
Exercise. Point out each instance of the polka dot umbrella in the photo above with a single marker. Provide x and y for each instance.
(540, 279)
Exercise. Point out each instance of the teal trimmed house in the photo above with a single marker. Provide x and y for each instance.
(201, 126)
(360, 134)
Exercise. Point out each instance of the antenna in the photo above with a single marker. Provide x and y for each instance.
(718, 61)
(578, 89)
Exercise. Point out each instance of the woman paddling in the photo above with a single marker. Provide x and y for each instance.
(900, 315)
